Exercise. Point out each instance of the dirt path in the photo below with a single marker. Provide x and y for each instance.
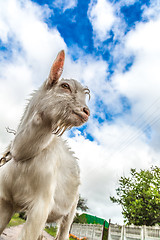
(12, 234)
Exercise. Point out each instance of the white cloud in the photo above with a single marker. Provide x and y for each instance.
(65, 4)
(102, 17)
(141, 84)
(153, 11)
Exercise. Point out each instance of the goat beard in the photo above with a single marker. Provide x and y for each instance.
(60, 127)
(60, 130)
(63, 122)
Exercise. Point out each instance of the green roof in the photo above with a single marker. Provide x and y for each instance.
(90, 219)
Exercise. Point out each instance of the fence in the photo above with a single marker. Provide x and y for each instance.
(90, 231)
(118, 232)
(115, 232)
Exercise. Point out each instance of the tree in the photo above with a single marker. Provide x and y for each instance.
(139, 196)
(82, 205)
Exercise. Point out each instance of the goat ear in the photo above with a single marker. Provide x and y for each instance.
(56, 69)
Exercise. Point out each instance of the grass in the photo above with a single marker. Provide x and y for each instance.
(51, 230)
(15, 221)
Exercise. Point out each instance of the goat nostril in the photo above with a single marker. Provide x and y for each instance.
(86, 111)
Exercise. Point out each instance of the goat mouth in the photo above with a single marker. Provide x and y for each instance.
(82, 116)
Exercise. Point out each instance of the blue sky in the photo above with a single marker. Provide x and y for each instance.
(113, 48)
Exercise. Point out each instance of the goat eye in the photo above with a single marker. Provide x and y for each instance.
(65, 86)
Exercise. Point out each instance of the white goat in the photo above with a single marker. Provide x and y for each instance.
(42, 177)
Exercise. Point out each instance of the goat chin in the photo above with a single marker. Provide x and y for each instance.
(42, 175)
